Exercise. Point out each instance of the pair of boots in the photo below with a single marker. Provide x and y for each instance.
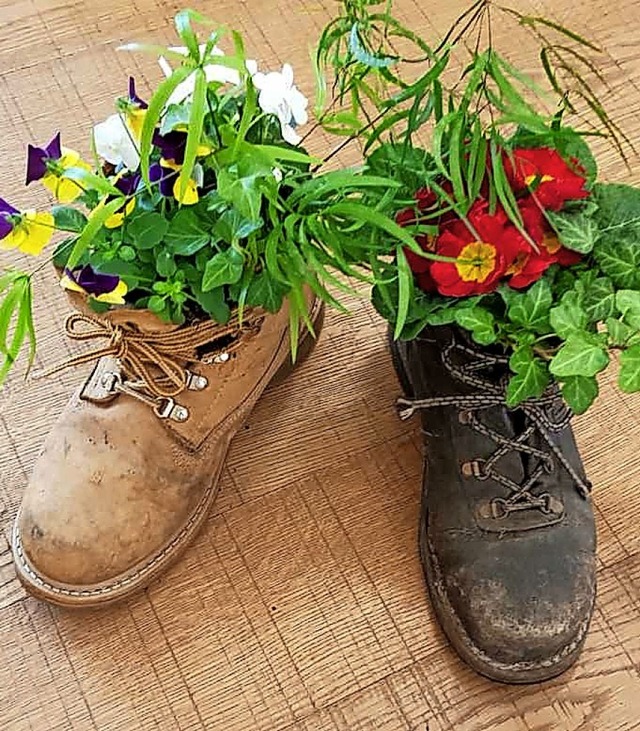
(131, 469)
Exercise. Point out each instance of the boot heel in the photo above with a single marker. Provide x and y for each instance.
(305, 348)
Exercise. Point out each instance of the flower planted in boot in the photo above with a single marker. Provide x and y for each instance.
(198, 251)
(131, 469)
(518, 274)
(507, 535)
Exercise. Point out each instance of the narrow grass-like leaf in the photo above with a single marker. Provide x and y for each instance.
(196, 125)
(405, 289)
(96, 221)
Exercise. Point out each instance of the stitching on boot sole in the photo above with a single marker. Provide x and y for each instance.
(202, 507)
(438, 584)
(147, 568)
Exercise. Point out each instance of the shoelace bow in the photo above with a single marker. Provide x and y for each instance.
(490, 394)
(155, 360)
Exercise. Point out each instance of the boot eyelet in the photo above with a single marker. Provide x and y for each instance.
(464, 417)
(474, 468)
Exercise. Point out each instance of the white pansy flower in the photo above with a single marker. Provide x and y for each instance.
(280, 96)
(114, 143)
(213, 72)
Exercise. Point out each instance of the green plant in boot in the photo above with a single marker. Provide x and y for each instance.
(526, 280)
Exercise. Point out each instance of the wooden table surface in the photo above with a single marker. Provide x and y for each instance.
(301, 605)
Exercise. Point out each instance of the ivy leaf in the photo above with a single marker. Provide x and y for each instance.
(530, 379)
(186, 234)
(231, 226)
(225, 268)
(629, 378)
(628, 302)
(619, 332)
(618, 208)
(582, 354)
(242, 192)
(177, 115)
(598, 298)
(619, 257)
(480, 322)
(531, 309)
(147, 230)
(576, 231)
(67, 218)
(266, 291)
(568, 317)
(213, 303)
(580, 392)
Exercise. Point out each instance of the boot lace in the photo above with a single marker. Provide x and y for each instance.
(547, 415)
(152, 366)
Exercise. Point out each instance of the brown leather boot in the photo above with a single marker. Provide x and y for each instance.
(129, 472)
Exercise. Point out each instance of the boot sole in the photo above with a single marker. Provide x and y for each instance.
(512, 673)
(140, 576)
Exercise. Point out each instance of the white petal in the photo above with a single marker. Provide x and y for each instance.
(290, 135)
(259, 80)
(287, 75)
(183, 91)
(215, 72)
(299, 103)
(252, 67)
(165, 66)
(114, 144)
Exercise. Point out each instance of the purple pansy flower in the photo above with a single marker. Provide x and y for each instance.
(172, 145)
(128, 184)
(165, 177)
(37, 158)
(6, 211)
(133, 97)
(93, 282)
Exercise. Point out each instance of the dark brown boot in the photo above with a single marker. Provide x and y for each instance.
(507, 534)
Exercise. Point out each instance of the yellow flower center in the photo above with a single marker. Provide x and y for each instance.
(551, 243)
(476, 261)
(531, 179)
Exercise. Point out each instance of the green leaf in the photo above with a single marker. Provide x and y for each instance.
(598, 298)
(530, 379)
(618, 207)
(154, 112)
(231, 226)
(628, 302)
(286, 154)
(96, 221)
(225, 268)
(619, 332)
(213, 303)
(177, 115)
(266, 291)
(186, 234)
(196, 125)
(187, 34)
(67, 218)
(165, 263)
(580, 392)
(147, 230)
(531, 309)
(91, 181)
(576, 231)
(405, 288)
(242, 192)
(629, 378)
(582, 354)
(480, 322)
(619, 257)
(568, 317)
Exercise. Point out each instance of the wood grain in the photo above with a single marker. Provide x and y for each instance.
(301, 606)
